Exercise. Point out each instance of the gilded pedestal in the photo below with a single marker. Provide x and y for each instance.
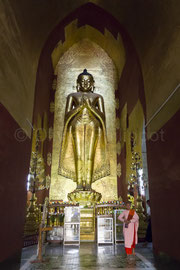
(85, 197)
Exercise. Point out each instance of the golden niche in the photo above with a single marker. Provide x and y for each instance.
(84, 156)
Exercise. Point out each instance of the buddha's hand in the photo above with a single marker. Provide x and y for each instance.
(81, 106)
(87, 102)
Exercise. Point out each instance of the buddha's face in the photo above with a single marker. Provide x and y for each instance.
(85, 83)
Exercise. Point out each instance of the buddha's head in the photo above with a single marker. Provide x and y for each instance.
(85, 82)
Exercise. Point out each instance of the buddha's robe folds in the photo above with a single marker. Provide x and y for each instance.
(84, 126)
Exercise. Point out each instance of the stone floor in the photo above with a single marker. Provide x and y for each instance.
(88, 256)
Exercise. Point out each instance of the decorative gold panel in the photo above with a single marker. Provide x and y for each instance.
(114, 47)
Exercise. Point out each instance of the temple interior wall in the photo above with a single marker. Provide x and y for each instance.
(154, 29)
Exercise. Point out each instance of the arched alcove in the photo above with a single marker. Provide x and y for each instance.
(85, 54)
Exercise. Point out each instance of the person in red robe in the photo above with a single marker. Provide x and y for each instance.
(130, 221)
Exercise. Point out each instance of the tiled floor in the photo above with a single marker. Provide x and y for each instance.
(88, 256)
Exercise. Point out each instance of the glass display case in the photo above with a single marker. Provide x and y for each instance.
(104, 230)
(118, 226)
(72, 226)
(56, 213)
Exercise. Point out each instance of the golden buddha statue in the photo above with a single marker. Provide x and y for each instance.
(83, 156)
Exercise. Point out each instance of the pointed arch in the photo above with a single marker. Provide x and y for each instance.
(95, 23)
